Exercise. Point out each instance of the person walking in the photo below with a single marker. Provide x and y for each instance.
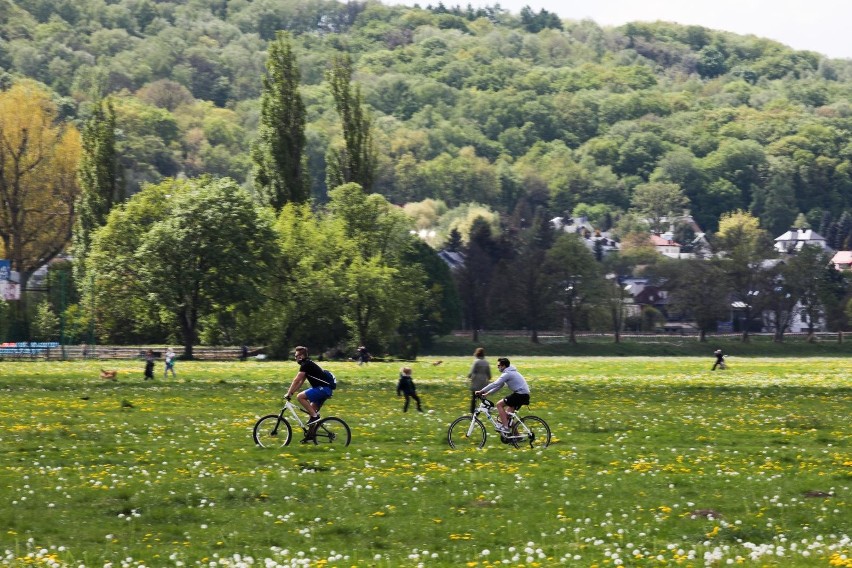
(149, 365)
(170, 364)
(720, 360)
(363, 355)
(406, 386)
(479, 375)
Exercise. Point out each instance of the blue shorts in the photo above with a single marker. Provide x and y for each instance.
(318, 395)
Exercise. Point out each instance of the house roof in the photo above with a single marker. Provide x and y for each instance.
(795, 239)
(659, 241)
(452, 258)
(800, 235)
(842, 257)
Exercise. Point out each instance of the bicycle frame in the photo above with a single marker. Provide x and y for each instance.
(485, 407)
(292, 408)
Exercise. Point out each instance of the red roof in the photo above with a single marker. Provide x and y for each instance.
(659, 241)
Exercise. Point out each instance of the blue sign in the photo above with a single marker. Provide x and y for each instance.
(5, 269)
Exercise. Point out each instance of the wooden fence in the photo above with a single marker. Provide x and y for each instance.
(34, 352)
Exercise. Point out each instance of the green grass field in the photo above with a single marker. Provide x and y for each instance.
(655, 461)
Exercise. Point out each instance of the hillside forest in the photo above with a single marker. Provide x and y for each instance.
(234, 171)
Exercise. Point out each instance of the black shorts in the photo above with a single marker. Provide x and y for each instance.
(517, 400)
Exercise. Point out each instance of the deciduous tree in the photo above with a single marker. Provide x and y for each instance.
(183, 250)
(38, 182)
(576, 278)
(746, 247)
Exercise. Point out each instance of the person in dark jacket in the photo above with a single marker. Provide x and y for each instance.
(149, 365)
(363, 355)
(406, 386)
(720, 360)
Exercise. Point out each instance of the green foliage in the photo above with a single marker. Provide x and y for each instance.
(577, 280)
(45, 324)
(101, 183)
(455, 101)
(497, 115)
(279, 153)
(355, 162)
(195, 247)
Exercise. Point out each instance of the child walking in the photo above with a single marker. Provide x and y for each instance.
(170, 364)
(149, 365)
(406, 386)
(720, 360)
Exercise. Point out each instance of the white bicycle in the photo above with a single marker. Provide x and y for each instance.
(274, 430)
(469, 431)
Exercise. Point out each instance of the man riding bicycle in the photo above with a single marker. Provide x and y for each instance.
(520, 396)
(313, 398)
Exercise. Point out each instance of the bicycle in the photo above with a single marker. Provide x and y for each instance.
(274, 430)
(469, 430)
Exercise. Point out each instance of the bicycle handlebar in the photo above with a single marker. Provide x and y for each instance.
(485, 401)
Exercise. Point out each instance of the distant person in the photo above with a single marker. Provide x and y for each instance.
(170, 364)
(479, 375)
(720, 360)
(149, 365)
(406, 386)
(363, 355)
(520, 396)
(244, 352)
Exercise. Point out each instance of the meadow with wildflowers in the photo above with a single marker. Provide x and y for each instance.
(655, 462)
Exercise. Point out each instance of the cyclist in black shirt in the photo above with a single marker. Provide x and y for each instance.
(312, 398)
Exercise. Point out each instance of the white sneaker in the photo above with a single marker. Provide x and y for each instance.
(503, 430)
(314, 420)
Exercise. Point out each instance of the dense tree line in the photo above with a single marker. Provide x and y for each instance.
(509, 110)
(484, 123)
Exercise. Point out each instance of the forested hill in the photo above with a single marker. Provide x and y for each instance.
(514, 111)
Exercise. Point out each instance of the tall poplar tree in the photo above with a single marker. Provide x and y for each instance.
(100, 181)
(279, 153)
(356, 161)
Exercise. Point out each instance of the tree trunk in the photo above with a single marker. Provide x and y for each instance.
(187, 330)
(534, 336)
(616, 323)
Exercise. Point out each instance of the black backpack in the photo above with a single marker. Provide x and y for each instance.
(330, 379)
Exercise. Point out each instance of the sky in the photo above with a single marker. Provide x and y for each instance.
(815, 25)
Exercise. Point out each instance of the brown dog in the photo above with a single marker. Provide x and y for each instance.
(108, 375)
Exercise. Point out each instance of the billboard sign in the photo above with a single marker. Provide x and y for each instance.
(5, 269)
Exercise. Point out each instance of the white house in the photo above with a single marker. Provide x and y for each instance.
(665, 245)
(842, 260)
(794, 239)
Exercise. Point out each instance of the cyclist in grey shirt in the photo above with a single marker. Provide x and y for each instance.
(520, 396)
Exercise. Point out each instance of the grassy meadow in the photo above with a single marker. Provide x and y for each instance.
(655, 462)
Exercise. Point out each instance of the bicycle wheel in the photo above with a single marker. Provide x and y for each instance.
(272, 432)
(457, 434)
(332, 430)
(537, 437)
